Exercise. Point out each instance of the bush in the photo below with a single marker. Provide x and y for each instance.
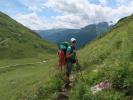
(79, 92)
(109, 95)
(50, 89)
(120, 76)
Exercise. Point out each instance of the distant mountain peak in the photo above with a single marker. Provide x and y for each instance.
(83, 35)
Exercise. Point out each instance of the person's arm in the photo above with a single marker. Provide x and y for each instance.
(68, 55)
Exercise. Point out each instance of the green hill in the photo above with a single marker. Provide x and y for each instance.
(17, 41)
(110, 57)
(25, 60)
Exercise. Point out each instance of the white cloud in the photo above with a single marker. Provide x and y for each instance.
(89, 13)
(75, 13)
(69, 21)
(103, 2)
(32, 20)
(67, 6)
(122, 1)
(33, 5)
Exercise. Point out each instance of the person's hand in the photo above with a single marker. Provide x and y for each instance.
(74, 51)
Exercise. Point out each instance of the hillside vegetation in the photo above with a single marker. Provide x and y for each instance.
(26, 60)
(17, 41)
(109, 57)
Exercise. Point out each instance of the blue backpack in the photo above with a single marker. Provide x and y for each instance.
(63, 46)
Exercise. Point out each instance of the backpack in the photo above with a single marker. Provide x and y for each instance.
(73, 58)
(63, 46)
(62, 53)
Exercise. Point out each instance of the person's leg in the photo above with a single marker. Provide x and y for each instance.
(63, 63)
(68, 71)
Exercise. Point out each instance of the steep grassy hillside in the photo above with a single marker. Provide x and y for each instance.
(26, 61)
(17, 41)
(110, 57)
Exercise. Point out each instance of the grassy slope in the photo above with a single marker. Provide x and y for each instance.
(22, 46)
(108, 57)
(111, 58)
(19, 41)
(21, 82)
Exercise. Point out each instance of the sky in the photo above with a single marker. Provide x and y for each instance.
(74, 14)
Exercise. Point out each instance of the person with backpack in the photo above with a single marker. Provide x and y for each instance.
(67, 57)
(62, 55)
(71, 59)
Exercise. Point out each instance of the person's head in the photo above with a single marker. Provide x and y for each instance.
(73, 41)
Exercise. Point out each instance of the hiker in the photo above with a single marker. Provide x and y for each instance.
(70, 59)
(62, 55)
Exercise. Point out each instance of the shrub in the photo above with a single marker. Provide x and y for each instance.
(50, 89)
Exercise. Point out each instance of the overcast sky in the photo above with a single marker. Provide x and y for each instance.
(48, 14)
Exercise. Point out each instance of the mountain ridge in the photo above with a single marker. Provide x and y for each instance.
(83, 35)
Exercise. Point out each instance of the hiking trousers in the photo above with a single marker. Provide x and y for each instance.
(69, 68)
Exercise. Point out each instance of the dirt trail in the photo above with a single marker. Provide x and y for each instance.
(63, 93)
(1, 67)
